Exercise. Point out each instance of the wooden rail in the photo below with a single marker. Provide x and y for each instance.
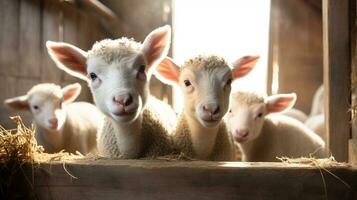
(155, 179)
(100, 9)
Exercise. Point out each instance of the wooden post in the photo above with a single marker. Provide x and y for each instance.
(337, 70)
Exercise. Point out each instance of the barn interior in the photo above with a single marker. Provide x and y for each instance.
(304, 46)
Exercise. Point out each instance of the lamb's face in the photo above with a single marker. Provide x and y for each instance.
(118, 71)
(206, 93)
(245, 120)
(120, 88)
(45, 102)
(46, 108)
(205, 82)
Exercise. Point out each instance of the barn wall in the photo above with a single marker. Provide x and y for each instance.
(296, 47)
(25, 27)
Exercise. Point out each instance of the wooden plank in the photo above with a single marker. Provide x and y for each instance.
(337, 70)
(103, 11)
(29, 39)
(295, 61)
(70, 32)
(9, 36)
(154, 179)
(51, 30)
(8, 90)
(352, 153)
(273, 33)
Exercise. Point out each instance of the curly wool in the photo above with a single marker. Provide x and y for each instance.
(223, 149)
(205, 62)
(248, 98)
(155, 140)
(110, 50)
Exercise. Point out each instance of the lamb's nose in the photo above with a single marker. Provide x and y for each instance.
(211, 108)
(241, 133)
(124, 100)
(53, 121)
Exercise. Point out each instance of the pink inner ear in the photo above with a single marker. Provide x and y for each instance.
(70, 58)
(244, 66)
(157, 45)
(280, 104)
(168, 71)
(70, 93)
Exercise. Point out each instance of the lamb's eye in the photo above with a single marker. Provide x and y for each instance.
(142, 68)
(230, 111)
(187, 83)
(260, 115)
(93, 76)
(35, 107)
(229, 81)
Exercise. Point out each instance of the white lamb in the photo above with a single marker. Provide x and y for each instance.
(316, 119)
(317, 106)
(60, 124)
(296, 114)
(263, 137)
(205, 82)
(118, 73)
(317, 124)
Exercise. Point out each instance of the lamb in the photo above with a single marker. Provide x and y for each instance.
(59, 122)
(318, 102)
(296, 114)
(118, 74)
(205, 82)
(263, 137)
(317, 124)
(316, 119)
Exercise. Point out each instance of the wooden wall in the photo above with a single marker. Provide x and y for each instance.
(25, 27)
(296, 47)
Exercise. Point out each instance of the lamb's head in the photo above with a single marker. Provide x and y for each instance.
(205, 82)
(245, 118)
(45, 102)
(118, 71)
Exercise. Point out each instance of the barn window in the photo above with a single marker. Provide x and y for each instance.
(302, 43)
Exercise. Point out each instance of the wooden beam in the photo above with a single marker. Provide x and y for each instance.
(337, 70)
(157, 179)
(102, 10)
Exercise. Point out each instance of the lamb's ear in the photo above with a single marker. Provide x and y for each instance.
(68, 58)
(168, 71)
(18, 103)
(156, 45)
(243, 66)
(71, 92)
(280, 102)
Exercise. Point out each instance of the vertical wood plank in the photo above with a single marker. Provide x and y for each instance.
(353, 34)
(337, 72)
(29, 39)
(9, 36)
(51, 30)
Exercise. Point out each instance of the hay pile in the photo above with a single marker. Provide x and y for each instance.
(20, 146)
